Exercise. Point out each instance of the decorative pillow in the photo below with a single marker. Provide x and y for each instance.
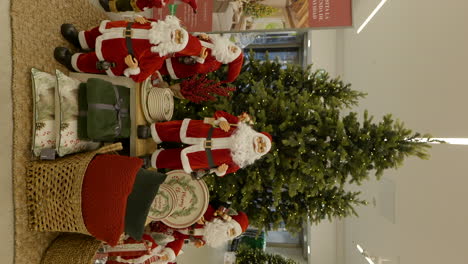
(107, 110)
(139, 201)
(43, 88)
(107, 183)
(66, 117)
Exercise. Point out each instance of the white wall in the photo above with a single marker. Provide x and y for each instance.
(411, 59)
(323, 243)
(193, 255)
(322, 52)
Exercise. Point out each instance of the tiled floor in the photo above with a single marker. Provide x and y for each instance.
(6, 123)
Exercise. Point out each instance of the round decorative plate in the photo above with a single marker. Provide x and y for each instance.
(145, 88)
(163, 204)
(169, 107)
(192, 199)
(152, 104)
(160, 103)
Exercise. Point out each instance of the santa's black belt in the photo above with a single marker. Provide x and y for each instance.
(128, 38)
(208, 146)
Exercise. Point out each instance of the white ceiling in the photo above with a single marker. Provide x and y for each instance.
(412, 61)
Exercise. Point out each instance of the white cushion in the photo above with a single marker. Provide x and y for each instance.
(43, 88)
(66, 121)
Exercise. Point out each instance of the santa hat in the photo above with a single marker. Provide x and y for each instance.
(234, 68)
(268, 136)
(241, 222)
(192, 3)
(209, 213)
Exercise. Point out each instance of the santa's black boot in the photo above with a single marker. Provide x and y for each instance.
(105, 5)
(143, 131)
(146, 161)
(70, 33)
(63, 55)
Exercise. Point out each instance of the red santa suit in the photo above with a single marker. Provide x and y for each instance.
(151, 256)
(177, 240)
(110, 44)
(238, 147)
(145, 4)
(194, 133)
(171, 250)
(198, 232)
(161, 228)
(178, 70)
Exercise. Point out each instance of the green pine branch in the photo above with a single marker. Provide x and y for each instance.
(318, 148)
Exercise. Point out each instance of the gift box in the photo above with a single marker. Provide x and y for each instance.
(104, 110)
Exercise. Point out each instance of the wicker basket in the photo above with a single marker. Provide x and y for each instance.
(71, 249)
(54, 192)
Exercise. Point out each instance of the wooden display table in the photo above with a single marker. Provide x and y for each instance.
(138, 147)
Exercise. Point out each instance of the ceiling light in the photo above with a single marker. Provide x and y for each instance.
(359, 248)
(452, 141)
(370, 260)
(371, 15)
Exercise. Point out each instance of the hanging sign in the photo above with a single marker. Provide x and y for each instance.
(260, 15)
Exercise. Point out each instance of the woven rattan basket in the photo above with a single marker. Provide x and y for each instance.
(71, 249)
(54, 192)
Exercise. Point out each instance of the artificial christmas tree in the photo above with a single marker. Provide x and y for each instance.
(319, 145)
(247, 255)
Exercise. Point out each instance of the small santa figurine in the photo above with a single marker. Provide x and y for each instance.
(217, 50)
(134, 49)
(144, 251)
(141, 5)
(220, 145)
(212, 230)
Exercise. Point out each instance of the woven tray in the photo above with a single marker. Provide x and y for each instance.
(71, 248)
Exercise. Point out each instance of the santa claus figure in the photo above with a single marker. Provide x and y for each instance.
(217, 50)
(141, 5)
(220, 145)
(213, 231)
(144, 251)
(134, 49)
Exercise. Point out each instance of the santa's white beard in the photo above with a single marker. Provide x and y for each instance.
(242, 151)
(221, 50)
(217, 232)
(162, 35)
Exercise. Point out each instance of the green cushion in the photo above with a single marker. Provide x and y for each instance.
(139, 201)
(102, 122)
